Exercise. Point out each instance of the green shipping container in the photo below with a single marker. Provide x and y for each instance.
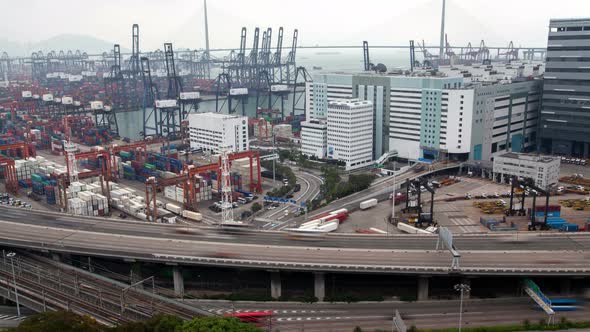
(36, 178)
(150, 166)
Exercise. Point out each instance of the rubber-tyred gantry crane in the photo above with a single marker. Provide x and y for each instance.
(104, 170)
(139, 148)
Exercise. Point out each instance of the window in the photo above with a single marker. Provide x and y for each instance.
(461, 102)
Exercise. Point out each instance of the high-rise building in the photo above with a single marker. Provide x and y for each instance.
(565, 115)
(460, 112)
(314, 138)
(209, 131)
(350, 132)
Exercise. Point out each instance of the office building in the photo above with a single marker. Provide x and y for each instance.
(314, 138)
(565, 117)
(459, 112)
(544, 170)
(350, 132)
(210, 130)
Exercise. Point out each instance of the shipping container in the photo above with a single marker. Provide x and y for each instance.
(368, 204)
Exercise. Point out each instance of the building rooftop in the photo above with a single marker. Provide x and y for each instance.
(529, 157)
(217, 115)
(349, 102)
(569, 20)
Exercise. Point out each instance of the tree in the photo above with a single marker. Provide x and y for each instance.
(63, 321)
(217, 324)
(256, 207)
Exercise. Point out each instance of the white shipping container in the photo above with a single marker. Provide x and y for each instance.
(192, 215)
(329, 227)
(368, 204)
(26, 94)
(173, 208)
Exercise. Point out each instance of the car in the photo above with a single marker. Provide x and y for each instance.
(289, 196)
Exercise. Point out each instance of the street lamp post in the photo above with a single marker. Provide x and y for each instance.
(393, 194)
(461, 288)
(11, 256)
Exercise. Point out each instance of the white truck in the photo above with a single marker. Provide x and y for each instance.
(368, 204)
(192, 215)
(174, 208)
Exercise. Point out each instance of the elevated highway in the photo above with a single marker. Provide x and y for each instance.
(529, 254)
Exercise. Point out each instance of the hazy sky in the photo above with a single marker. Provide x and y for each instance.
(322, 22)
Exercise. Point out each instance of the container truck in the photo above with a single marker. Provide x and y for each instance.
(174, 208)
(328, 227)
(368, 204)
(411, 229)
(192, 215)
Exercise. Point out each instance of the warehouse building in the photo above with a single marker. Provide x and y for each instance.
(460, 112)
(544, 170)
(208, 131)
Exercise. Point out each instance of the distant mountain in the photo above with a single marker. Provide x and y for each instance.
(63, 42)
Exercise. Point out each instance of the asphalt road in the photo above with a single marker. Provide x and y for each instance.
(381, 186)
(310, 189)
(481, 254)
(370, 316)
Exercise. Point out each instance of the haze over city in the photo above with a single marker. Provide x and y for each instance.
(329, 22)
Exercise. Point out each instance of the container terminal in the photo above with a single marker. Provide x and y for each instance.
(205, 175)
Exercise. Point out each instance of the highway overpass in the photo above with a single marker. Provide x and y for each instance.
(528, 254)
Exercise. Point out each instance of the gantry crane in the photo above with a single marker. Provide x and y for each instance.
(139, 149)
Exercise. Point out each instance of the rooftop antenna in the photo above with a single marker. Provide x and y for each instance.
(442, 31)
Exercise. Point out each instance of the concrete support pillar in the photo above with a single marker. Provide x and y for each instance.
(467, 294)
(61, 257)
(565, 286)
(319, 286)
(483, 174)
(423, 285)
(178, 281)
(275, 284)
(502, 178)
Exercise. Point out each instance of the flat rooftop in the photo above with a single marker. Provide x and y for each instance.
(529, 157)
(216, 115)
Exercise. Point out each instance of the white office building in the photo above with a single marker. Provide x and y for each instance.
(350, 132)
(314, 138)
(460, 112)
(544, 170)
(208, 131)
